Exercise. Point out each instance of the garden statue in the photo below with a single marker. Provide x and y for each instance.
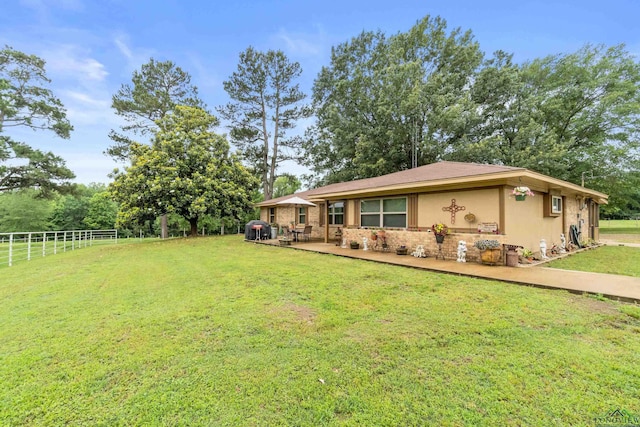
(563, 244)
(419, 252)
(344, 243)
(365, 243)
(462, 251)
(543, 249)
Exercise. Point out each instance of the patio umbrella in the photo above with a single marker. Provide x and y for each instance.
(296, 202)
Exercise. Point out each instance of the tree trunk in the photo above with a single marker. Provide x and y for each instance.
(164, 229)
(193, 222)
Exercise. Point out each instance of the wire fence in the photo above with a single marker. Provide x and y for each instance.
(15, 247)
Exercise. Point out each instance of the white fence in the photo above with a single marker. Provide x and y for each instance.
(25, 246)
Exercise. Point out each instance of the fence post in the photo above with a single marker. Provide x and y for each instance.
(10, 249)
(73, 242)
(44, 244)
(29, 248)
(55, 242)
(64, 244)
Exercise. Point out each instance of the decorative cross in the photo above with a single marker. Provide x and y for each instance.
(453, 209)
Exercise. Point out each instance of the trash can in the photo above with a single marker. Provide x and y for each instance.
(511, 255)
(274, 231)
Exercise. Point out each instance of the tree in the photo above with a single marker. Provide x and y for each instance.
(188, 170)
(154, 91)
(157, 88)
(69, 211)
(389, 103)
(25, 101)
(24, 210)
(266, 103)
(285, 184)
(562, 115)
(101, 212)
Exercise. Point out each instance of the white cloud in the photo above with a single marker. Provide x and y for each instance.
(135, 57)
(73, 62)
(204, 77)
(305, 44)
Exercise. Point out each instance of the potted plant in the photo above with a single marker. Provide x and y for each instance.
(374, 235)
(440, 230)
(521, 193)
(489, 251)
(527, 254)
(354, 244)
(402, 250)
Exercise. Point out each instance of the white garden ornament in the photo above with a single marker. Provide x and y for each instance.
(462, 251)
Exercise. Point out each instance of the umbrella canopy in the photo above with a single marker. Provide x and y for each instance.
(296, 201)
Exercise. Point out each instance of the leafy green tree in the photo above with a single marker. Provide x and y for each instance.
(154, 91)
(24, 210)
(25, 101)
(188, 170)
(266, 103)
(101, 212)
(285, 184)
(389, 103)
(562, 115)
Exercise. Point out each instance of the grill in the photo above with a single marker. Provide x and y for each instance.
(261, 228)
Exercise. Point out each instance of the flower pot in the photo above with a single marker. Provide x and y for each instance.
(490, 256)
(402, 251)
(374, 237)
(439, 238)
(520, 197)
(354, 245)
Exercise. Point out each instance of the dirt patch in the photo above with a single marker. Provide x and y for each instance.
(594, 305)
(300, 313)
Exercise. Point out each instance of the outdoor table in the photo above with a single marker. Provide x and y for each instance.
(296, 232)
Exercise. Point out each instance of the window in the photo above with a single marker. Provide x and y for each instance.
(384, 213)
(556, 204)
(272, 215)
(336, 213)
(302, 215)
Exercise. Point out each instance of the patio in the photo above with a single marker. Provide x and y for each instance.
(616, 287)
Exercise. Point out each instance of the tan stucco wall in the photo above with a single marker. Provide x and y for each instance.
(525, 224)
(481, 203)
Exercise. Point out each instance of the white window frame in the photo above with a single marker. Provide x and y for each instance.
(556, 204)
(381, 212)
(333, 214)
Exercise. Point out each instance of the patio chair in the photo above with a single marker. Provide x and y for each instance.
(286, 232)
(307, 232)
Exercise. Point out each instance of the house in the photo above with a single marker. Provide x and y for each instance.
(474, 200)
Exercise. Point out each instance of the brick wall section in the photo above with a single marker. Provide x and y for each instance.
(411, 239)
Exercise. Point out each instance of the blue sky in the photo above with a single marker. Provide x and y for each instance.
(93, 46)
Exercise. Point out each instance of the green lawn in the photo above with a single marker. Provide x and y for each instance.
(606, 259)
(620, 226)
(215, 331)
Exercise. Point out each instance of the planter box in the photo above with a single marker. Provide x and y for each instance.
(402, 251)
(356, 246)
(490, 256)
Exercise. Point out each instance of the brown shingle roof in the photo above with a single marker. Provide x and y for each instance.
(426, 173)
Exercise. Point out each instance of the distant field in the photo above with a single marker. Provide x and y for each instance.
(620, 226)
(216, 331)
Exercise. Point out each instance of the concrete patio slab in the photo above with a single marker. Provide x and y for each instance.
(623, 288)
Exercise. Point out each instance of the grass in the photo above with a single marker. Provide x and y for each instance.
(619, 226)
(621, 260)
(215, 331)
